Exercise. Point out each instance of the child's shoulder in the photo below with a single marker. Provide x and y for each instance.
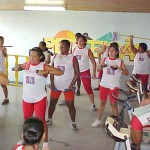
(18, 146)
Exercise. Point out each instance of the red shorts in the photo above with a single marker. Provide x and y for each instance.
(136, 124)
(104, 92)
(144, 78)
(39, 108)
(68, 95)
(86, 81)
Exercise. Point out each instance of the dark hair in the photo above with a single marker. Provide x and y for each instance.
(85, 34)
(83, 37)
(143, 45)
(78, 34)
(66, 42)
(115, 46)
(33, 130)
(40, 53)
(1, 38)
(43, 43)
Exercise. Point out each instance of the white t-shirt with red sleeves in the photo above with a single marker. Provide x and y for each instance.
(82, 56)
(64, 63)
(141, 63)
(2, 62)
(33, 84)
(110, 78)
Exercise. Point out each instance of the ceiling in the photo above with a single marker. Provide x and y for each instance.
(138, 6)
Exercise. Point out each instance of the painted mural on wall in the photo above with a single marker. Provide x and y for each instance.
(125, 50)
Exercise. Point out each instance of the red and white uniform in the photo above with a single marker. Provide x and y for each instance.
(2, 62)
(82, 56)
(33, 84)
(65, 63)
(141, 63)
(110, 77)
(19, 147)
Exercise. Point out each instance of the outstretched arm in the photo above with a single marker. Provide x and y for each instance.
(53, 70)
(100, 52)
(134, 50)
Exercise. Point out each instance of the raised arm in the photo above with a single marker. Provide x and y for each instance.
(134, 50)
(100, 52)
(102, 63)
(48, 59)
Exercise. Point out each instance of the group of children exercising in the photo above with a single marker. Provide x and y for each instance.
(67, 69)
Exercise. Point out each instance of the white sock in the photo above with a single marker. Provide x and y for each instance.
(45, 144)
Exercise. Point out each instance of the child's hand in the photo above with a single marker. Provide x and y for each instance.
(70, 88)
(145, 102)
(131, 37)
(41, 72)
(94, 76)
(114, 67)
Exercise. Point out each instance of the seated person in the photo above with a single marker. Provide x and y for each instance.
(137, 127)
(33, 131)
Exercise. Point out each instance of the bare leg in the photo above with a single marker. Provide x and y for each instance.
(91, 97)
(46, 134)
(72, 110)
(6, 100)
(78, 86)
(52, 107)
(136, 137)
(114, 109)
(4, 87)
(101, 109)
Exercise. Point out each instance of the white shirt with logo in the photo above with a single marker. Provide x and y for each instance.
(33, 84)
(64, 63)
(141, 63)
(82, 56)
(110, 78)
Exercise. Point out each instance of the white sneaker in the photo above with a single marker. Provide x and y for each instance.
(49, 121)
(74, 126)
(96, 123)
(62, 103)
(45, 147)
(93, 107)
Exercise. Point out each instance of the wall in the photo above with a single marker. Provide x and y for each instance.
(24, 29)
